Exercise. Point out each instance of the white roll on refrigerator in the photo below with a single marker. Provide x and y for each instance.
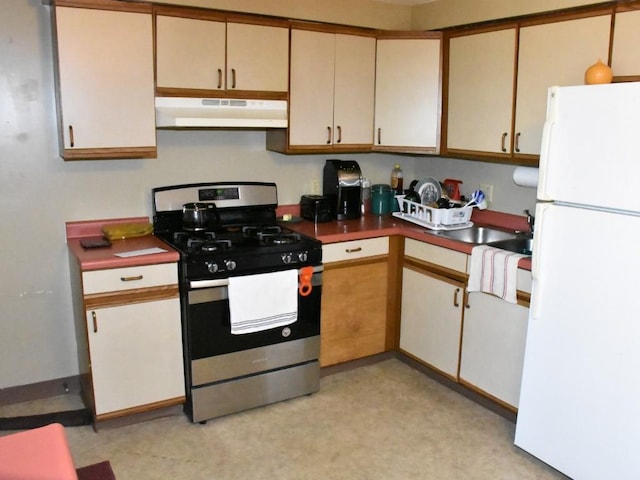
(579, 407)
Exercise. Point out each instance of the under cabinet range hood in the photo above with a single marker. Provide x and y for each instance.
(186, 112)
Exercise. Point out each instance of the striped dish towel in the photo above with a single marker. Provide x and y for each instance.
(494, 271)
(264, 301)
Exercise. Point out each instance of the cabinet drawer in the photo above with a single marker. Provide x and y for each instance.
(435, 254)
(337, 252)
(129, 278)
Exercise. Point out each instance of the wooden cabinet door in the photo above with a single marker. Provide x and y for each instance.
(355, 64)
(625, 56)
(136, 354)
(311, 88)
(407, 93)
(553, 54)
(493, 342)
(481, 78)
(105, 76)
(190, 53)
(257, 57)
(354, 311)
(431, 319)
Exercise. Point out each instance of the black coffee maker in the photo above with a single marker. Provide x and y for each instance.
(342, 185)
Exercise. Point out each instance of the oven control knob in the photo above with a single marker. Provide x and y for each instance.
(212, 267)
(286, 258)
(302, 256)
(230, 264)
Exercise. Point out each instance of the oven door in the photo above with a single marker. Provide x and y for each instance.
(213, 350)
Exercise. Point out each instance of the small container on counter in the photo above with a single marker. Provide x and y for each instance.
(383, 200)
(366, 196)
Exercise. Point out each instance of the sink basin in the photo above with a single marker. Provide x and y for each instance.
(477, 234)
(522, 245)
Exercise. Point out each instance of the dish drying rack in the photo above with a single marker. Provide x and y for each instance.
(433, 218)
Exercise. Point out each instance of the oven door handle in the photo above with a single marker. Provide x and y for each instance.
(224, 282)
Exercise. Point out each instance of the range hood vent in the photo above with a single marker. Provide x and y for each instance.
(185, 112)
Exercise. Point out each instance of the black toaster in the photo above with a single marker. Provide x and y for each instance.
(316, 208)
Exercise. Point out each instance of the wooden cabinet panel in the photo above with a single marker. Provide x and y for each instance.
(431, 320)
(407, 111)
(105, 77)
(190, 53)
(625, 56)
(257, 57)
(136, 354)
(493, 343)
(354, 311)
(481, 77)
(355, 249)
(311, 88)
(331, 90)
(553, 54)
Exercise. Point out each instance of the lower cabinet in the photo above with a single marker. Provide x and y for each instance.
(475, 339)
(431, 319)
(135, 356)
(354, 300)
(493, 342)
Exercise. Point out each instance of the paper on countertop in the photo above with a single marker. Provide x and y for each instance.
(144, 251)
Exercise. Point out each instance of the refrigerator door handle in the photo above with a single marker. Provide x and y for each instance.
(536, 259)
(547, 141)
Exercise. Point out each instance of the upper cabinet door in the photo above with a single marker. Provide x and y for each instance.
(625, 57)
(481, 80)
(190, 53)
(355, 69)
(553, 54)
(311, 95)
(106, 108)
(407, 110)
(257, 57)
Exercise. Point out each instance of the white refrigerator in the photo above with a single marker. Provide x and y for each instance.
(579, 407)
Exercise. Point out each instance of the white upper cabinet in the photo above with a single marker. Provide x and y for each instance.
(553, 54)
(190, 53)
(332, 89)
(215, 55)
(481, 73)
(625, 57)
(104, 71)
(408, 106)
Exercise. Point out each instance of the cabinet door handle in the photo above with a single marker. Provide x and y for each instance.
(379, 136)
(328, 135)
(72, 140)
(455, 297)
(353, 250)
(503, 144)
(219, 78)
(131, 279)
(339, 134)
(466, 300)
(233, 78)
(516, 147)
(94, 317)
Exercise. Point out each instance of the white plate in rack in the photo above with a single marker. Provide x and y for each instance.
(429, 190)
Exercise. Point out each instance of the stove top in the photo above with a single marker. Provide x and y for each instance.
(247, 238)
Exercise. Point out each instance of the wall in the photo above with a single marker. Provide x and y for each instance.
(447, 13)
(39, 192)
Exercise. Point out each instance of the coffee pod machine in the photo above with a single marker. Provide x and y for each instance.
(342, 185)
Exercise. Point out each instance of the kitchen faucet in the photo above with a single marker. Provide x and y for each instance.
(531, 220)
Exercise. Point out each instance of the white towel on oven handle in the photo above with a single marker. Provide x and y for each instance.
(495, 271)
(263, 301)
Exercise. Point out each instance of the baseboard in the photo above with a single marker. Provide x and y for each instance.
(36, 391)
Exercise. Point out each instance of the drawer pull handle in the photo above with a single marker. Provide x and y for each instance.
(353, 250)
(455, 297)
(94, 317)
(131, 279)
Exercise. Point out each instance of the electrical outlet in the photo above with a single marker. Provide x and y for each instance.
(488, 191)
(315, 186)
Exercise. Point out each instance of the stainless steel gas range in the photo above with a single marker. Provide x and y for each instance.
(250, 295)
